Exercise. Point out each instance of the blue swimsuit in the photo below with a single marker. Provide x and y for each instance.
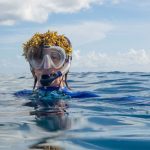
(65, 90)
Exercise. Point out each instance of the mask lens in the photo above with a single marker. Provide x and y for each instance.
(52, 57)
(57, 56)
(36, 63)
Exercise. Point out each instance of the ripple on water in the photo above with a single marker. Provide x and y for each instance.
(117, 120)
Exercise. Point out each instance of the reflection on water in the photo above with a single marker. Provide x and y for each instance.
(51, 116)
(53, 122)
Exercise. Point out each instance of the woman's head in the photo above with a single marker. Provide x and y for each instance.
(48, 53)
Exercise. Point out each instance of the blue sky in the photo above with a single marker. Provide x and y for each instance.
(107, 35)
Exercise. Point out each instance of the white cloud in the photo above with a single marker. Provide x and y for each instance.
(132, 60)
(85, 32)
(80, 33)
(39, 10)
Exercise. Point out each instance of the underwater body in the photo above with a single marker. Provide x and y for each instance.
(118, 119)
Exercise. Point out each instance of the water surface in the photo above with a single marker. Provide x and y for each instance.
(119, 119)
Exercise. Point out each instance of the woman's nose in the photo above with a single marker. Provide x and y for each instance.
(47, 62)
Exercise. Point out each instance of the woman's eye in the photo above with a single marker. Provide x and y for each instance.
(53, 57)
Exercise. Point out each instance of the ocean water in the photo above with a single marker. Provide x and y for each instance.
(119, 119)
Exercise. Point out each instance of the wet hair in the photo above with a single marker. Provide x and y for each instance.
(66, 75)
(66, 83)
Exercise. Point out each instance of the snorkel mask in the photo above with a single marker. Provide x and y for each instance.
(51, 57)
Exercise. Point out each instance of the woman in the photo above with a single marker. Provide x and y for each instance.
(49, 56)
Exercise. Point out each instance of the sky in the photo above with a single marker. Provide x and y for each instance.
(107, 35)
